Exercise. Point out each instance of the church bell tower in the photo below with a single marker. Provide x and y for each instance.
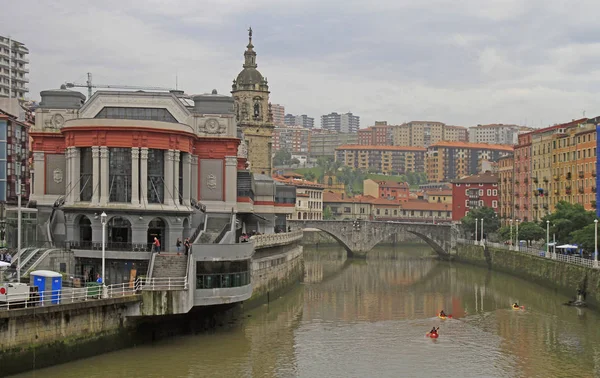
(253, 112)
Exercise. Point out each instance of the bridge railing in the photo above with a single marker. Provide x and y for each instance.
(272, 240)
(162, 283)
(569, 259)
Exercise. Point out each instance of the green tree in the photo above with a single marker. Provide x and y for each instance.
(566, 219)
(491, 223)
(531, 232)
(327, 213)
(282, 157)
(585, 237)
(504, 233)
(310, 176)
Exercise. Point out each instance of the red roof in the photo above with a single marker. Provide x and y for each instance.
(298, 182)
(479, 146)
(425, 205)
(482, 178)
(380, 148)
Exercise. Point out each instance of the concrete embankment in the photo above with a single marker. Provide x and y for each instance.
(560, 276)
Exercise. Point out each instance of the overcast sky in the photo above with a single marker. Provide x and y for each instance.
(534, 62)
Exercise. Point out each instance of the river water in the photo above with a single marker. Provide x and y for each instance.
(368, 318)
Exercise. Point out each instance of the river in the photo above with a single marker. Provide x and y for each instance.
(368, 318)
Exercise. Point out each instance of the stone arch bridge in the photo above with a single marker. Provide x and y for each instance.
(358, 237)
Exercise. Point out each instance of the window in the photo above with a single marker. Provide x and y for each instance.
(149, 114)
(467, 203)
(489, 192)
(480, 192)
(119, 174)
(156, 187)
(494, 204)
(85, 175)
(495, 192)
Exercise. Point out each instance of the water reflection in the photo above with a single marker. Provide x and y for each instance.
(367, 318)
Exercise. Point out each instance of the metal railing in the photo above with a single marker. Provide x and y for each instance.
(537, 252)
(65, 295)
(271, 240)
(162, 283)
(111, 246)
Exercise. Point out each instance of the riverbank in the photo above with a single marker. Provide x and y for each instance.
(559, 276)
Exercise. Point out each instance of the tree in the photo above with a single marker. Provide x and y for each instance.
(530, 232)
(504, 233)
(282, 157)
(585, 237)
(310, 176)
(490, 221)
(566, 219)
(294, 161)
(327, 213)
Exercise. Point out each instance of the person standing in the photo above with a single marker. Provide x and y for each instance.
(187, 246)
(178, 245)
(156, 245)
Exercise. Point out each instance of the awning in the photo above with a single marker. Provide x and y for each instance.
(568, 246)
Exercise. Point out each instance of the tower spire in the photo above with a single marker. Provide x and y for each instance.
(250, 54)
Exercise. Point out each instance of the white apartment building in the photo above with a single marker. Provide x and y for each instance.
(13, 68)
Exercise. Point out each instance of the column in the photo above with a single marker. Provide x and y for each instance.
(144, 175)
(67, 176)
(96, 175)
(230, 181)
(135, 176)
(76, 174)
(168, 177)
(39, 169)
(104, 180)
(176, 160)
(194, 183)
(187, 176)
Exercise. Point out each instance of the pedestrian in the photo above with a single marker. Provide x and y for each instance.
(187, 246)
(98, 278)
(156, 245)
(8, 257)
(178, 245)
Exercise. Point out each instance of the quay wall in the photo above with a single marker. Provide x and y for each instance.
(275, 271)
(36, 337)
(563, 277)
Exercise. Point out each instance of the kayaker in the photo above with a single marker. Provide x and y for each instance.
(442, 313)
(515, 305)
(433, 331)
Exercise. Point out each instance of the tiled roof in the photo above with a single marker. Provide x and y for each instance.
(380, 148)
(425, 205)
(479, 146)
(482, 178)
(298, 182)
(439, 192)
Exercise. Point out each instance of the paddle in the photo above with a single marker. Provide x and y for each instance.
(429, 333)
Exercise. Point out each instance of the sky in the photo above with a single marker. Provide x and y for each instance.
(462, 62)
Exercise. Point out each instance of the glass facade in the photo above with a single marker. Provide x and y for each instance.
(156, 170)
(119, 176)
(86, 188)
(146, 114)
(222, 274)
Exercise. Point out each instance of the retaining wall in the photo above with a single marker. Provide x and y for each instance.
(563, 277)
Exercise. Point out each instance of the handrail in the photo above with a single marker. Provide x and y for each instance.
(39, 260)
(267, 240)
(222, 234)
(198, 231)
(151, 265)
(162, 283)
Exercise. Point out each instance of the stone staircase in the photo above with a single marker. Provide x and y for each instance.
(169, 266)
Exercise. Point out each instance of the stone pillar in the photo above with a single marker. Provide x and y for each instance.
(144, 175)
(168, 178)
(230, 181)
(135, 176)
(67, 176)
(194, 183)
(187, 177)
(95, 175)
(39, 169)
(176, 160)
(104, 173)
(76, 174)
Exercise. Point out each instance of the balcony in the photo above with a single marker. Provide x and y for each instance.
(535, 180)
(568, 175)
(545, 206)
(594, 189)
(517, 182)
(546, 179)
(516, 194)
(535, 206)
(556, 177)
(517, 206)
(568, 191)
(581, 175)
(581, 190)
(593, 173)
(526, 181)
(593, 203)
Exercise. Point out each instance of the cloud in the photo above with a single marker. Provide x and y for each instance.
(464, 63)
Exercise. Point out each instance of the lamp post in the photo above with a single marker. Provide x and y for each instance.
(547, 239)
(510, 245)
(517, 236)
(481, 231)
(595, 243)
(103, 220)
(476, 222)
(18, 225)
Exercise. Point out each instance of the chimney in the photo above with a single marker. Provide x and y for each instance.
(342, 195)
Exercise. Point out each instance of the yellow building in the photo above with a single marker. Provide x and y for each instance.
(505, 186)
(439, 196)
(382, 159)
(426, 133)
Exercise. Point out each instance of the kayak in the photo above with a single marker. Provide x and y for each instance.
(444, 317)
(518, 308)
(432, 335)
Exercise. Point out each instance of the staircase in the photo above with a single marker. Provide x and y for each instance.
(169, 266)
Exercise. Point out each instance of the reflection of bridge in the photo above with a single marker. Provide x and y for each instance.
(359, 237)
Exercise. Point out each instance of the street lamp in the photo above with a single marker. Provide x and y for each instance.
(510, 245)
(103, 217)
(595, 243)
(476, 221)
(517, 236)
(481, 231)
(547, 238)
(19, 216)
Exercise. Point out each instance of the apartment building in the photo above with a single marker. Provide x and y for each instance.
(378, 135)
(299, 120)
(456, 133)
(395, 160)
(497, 133)
(392, 190)
(344, 123)
(14, 158)
(295, 139)
(473, 192)
(522, 173)
(309, 197)
(14, 73)
(324, 142)
(425, 133)
(505, 187)
(278, 112)
(447, 161)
